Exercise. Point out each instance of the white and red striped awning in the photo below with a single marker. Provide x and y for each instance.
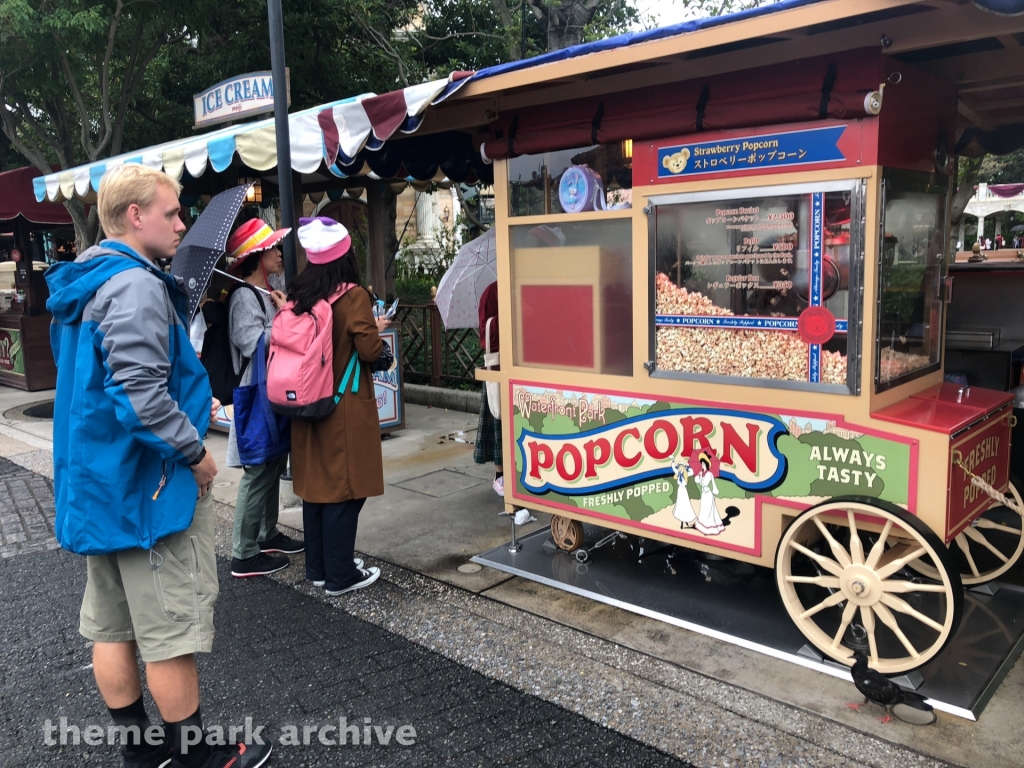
(321, 135)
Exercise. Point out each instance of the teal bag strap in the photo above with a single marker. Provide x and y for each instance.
(353, 367)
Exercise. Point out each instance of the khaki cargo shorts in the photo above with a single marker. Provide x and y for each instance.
(161, 598)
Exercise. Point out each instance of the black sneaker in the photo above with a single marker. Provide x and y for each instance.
(284, 545)
(369, 575)
(235, 756)
(320, 582)
(257, 565)
(157, 758)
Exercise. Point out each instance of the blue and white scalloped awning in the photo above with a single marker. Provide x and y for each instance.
(318, 135)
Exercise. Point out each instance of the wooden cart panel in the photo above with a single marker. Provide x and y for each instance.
(617, 457)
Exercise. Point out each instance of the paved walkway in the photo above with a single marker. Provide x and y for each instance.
(490, 670)
(282, 658)
(26, 511)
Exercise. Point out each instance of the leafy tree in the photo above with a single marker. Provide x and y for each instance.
(86, 79)
(327, 50)
(69, 73)
(571, 22)
(448, 35)
(1002, 169)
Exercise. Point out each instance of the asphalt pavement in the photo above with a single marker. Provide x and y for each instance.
(489, 669)
(287, 661)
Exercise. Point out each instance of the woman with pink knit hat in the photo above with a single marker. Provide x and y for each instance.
(336, 461)
(258, 547)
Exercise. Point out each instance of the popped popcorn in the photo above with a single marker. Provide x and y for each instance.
(732, 352)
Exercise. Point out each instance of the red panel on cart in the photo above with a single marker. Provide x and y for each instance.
(986, 450)
(558, 325)
(975, 397)
(933, 415)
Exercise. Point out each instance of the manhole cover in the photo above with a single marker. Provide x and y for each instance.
(469, 568)
(444, 482)
(40, 410)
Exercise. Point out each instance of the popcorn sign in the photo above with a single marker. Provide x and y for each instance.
(645, 447)
(693, 470)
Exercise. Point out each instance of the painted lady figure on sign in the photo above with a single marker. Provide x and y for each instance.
(708, 521)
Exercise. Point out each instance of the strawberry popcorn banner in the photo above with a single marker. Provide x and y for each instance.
(690, 469)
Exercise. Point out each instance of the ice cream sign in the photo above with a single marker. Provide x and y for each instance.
(645, 447)
(237, 97)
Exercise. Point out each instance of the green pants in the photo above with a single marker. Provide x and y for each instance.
(257, 507)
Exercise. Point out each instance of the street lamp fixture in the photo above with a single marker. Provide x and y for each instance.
(255, 192)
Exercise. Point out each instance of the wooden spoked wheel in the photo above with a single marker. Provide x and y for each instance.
(566, 533)
(846, 596)
(986, 549)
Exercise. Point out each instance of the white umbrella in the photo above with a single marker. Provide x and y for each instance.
(459, 292)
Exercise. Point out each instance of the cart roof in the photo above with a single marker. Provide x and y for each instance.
(957, 41)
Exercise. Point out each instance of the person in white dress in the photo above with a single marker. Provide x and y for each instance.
(683, 511)
(708, 521)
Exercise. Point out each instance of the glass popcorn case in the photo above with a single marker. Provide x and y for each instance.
(756, 284)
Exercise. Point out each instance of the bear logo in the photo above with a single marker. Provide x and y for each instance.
(676, 163)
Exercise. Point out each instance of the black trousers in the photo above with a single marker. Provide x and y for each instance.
(330, 534)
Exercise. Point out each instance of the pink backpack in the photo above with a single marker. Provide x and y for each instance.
(300, 370)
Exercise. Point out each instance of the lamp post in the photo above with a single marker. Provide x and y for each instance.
(284, 151)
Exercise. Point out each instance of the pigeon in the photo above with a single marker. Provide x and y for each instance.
(879, 689)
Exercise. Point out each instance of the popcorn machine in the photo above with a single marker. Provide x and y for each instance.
(739, 351)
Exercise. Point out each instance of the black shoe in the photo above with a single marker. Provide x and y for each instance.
(235, 756)
(284, 545)
(258, 565)
(157, 758)
(368, 576)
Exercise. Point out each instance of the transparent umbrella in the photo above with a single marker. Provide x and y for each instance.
(458, 294)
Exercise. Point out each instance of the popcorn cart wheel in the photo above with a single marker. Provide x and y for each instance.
(995, 538)
(851, 551)
(566, 533)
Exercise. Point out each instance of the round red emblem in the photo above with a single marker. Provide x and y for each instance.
(816, 325)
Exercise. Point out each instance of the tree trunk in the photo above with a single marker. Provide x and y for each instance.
(391, 244)
(512, 37)
(565, 19)
(87, 223)
(964, 192)
(381, 214)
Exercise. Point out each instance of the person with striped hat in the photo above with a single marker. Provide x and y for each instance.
(258, 547)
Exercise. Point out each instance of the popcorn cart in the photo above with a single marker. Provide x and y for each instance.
(731, 341)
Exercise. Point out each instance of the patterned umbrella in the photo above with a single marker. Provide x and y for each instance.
(458, 294)
(204, 244)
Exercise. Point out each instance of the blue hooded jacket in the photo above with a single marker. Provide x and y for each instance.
(133, 402)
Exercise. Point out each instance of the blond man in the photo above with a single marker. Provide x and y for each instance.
(131, 475)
